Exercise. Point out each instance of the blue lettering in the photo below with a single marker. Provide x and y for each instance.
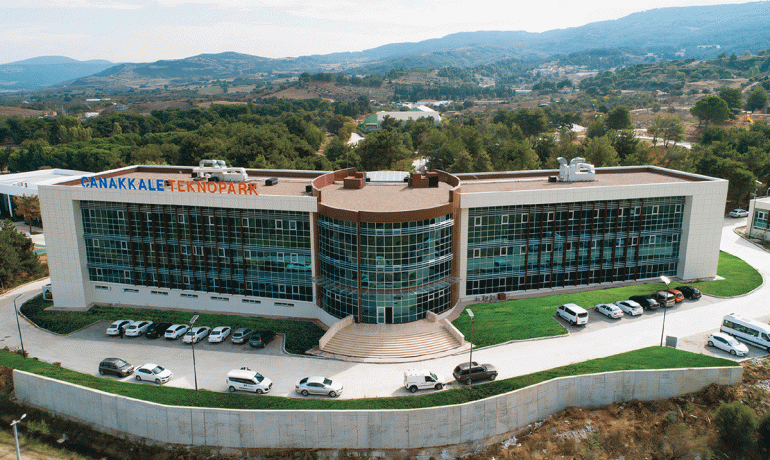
(159, 184)
(83, 182)
(94, 182)
(102, 182)
(142, 185)
(112, 183)
(122, 183)
(131, 185)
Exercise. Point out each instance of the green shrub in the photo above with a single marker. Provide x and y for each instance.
(764, 431)
(735, 424)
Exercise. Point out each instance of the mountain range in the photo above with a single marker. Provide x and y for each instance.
(698, 32)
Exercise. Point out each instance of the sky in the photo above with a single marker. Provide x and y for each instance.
(150, 30)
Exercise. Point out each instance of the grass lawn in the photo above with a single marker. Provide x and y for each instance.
(300, 335)
(646, 358)
(500, 322)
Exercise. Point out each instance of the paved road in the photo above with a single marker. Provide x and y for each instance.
(690, 321)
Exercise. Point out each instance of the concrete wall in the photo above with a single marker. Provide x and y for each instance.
(365, 429)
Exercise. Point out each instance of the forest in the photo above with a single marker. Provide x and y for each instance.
(313, 135)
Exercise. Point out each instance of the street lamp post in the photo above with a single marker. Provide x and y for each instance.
(663, 328)
(470, 358)
(16, 436)
(17, 323)
(195, 373)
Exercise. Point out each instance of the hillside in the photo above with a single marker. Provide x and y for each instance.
(44, 71)
(666, 33)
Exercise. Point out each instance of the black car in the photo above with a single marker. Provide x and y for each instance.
(156, 330)
(260, 339)
(115, 366)
(689, 292)
(646, 301)
(471, 372)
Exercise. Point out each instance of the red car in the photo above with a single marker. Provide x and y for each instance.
(678, 296)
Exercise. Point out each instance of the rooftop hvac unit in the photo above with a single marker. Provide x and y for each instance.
(308, 188)
(271, 181)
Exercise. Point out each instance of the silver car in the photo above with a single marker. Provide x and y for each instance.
(318, 386)
(630, 307)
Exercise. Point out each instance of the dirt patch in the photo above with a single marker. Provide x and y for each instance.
(21, 113)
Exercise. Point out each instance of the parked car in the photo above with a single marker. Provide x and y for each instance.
(421, 379)
(153, 373)
(609, 310)
(245, 379)
(157, 330)
(727, 343)
(678, 296)
(573, 314)
(318, 386)
(114, 328)
(738, 213)
(137, 328)
(242, 335)
(196, 334)
(260, 339)
(630, 307)
(176, 330)
(664, 298)
(219, 334)
(689, 292)
(646, 301)
(471, 372)
(115, 366)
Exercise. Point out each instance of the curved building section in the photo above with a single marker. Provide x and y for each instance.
(385, 267)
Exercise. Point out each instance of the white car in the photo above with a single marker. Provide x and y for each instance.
(176, 331)
(114, 328)
(728, 343)
(609, 310)
(219, 334)
(137, 328)
(630, 307)
(153, 373)
(739, 213)
(197, 334)
(422, 379)
(318, 386)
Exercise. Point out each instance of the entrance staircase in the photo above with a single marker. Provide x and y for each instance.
(414, 341)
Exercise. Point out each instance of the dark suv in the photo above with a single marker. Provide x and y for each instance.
(467, 372)
(646, 301)
(156, 330)
(260, 339)
(115, 366)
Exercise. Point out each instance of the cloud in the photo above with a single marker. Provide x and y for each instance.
(69, 5)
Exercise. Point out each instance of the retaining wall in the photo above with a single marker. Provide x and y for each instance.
(359, 429)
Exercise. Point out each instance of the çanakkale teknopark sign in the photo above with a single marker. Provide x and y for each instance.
(162, 185)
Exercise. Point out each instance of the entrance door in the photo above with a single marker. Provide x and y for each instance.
(388, 315)
(380, 315)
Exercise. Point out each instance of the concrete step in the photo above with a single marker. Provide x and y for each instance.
(392, 341)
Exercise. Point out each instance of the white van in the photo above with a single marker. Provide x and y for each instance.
(420, 379)
(573, 314)
(247, 380)
(748, 330)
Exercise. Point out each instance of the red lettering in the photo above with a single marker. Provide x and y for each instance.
(212, 187)
(231, 188)
(241, 188)
(171, 184)
(190, 186)
(222, 187)
(253, 189)
(202, 186)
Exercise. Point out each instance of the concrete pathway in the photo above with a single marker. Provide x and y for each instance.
(689, 321)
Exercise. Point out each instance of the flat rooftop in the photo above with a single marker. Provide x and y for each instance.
(539, 180)
(384, 197)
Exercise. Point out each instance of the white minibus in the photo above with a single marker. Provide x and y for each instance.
(748, 330)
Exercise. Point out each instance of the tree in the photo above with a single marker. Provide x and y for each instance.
(735, 424)
(597, 128)
(711, 109)
(28, 207)
(669, 128)
(619, 118)
(384, 150)
(756, 99)
(733, 97)
(16, 252)
(599, 152)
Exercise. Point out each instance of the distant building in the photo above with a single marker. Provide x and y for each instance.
(374, 122)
